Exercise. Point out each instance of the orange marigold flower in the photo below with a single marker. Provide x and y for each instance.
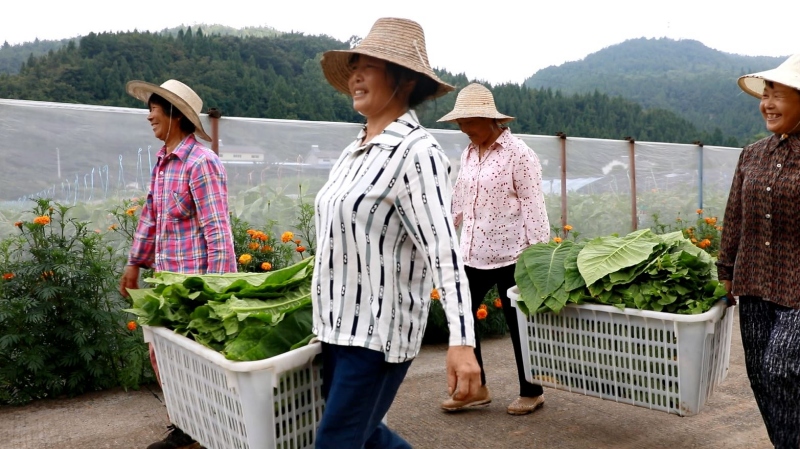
(260, 236)
(705, 243)
(482, 314)
(557, 239)
(18, 224)
(498, 303)
(711, 220)
(112, 227)
(694, 240)
(699, 211)
(567, 228)
(132, 210)
(266, 249)
(719, 228)
(245, 259)
(287, 237)
(266, 266)
(42, 220)
(435, 295)
(253, 246)
(251, 232)
(300, 249)
(131, 325)
(297, 242)
(8, 276)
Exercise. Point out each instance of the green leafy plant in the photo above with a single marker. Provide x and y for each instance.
(62, 328)
(246, 316)
(490, 323)
(641, 270)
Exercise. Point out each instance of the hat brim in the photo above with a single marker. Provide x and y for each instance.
(336, 67)
(753, 83)
(142, 90)
(453, 116)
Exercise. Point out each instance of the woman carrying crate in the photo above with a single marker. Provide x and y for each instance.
(761, 247)
(386, 240)
(498, 203)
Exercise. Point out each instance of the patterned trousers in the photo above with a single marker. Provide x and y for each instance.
(771, 341)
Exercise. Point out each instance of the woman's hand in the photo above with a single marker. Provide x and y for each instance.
(463, 372)
(729, 288)
(130, 279)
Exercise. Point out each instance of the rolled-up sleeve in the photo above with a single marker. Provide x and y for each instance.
(142, 253)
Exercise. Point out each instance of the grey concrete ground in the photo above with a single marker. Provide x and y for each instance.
(730, 419)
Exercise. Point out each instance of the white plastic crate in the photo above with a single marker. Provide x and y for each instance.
(273, 403)
(658, 360)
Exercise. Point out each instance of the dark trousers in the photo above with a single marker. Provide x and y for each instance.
(771, 341)
(359, 387)
(480, 282)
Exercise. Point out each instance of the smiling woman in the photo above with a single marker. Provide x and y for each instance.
(758, 252)
(390, 242)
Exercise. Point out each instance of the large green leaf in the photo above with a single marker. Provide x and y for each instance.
(572, 276)
(605, 255)
(545, 265)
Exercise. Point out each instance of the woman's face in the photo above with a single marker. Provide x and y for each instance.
(374, 92)
(161, 123)
(480, 130)
(780, 107)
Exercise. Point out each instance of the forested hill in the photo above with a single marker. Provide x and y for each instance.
(684, 76)
(280, 77)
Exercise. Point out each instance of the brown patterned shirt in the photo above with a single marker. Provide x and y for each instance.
(760, 247)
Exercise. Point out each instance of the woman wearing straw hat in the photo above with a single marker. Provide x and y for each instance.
(759, 252)
(184, 225)
(498, 203)
(390, 244)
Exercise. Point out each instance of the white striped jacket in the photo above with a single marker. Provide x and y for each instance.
(385, 237)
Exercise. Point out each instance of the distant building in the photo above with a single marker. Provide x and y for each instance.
(234, 154)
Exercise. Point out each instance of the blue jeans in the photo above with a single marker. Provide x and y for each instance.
(359, 387)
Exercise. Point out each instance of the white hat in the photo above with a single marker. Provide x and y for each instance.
(787, 74)
(178, 94)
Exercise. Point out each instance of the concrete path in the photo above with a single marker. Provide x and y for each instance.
(730, 419)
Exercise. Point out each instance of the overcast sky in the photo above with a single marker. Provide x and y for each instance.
(495, 41)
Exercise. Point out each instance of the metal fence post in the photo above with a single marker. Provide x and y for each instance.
(700, 174)
(213, 115)
(563, 178)
(632, 158)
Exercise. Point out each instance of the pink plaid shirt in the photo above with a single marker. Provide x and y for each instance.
(498, 203)
(184, 226)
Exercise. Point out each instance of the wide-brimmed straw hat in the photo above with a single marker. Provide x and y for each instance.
(787, 74)
(400, 41)
(475, 100)
(178, 94)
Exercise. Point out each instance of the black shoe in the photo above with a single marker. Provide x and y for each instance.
(175, 439)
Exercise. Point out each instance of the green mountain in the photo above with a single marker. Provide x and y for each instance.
(683, 76)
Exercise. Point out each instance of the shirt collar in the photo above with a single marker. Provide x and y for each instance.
(182, 150)
(503, 141)
(392, 136)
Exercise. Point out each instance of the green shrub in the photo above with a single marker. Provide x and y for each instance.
(62, 331)
(492, 324)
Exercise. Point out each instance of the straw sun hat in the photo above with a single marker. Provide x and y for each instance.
(400, 41)
(178, 94)
(787, 74)
(475, 100)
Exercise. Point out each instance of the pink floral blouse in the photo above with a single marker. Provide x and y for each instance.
(498, 203)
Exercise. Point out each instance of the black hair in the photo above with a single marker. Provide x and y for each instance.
(424, 88)
(185, 124)
(771, 85)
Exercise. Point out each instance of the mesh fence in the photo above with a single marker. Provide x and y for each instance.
(93, 156)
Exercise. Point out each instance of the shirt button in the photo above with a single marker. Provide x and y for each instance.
(769, 189)
(768, 216)
(161, 173)
(779, 165)
(766, 243)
